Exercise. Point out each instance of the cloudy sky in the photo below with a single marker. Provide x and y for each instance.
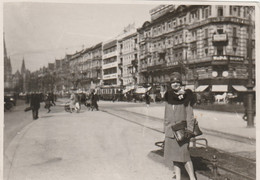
(41, 32)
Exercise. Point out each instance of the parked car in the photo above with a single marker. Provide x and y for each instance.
(9, 101)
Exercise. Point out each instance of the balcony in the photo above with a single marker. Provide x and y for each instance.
(220, 39)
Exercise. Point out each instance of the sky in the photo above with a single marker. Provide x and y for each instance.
(41, 32)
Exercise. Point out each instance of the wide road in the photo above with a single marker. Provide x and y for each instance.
(107, 144)
(90, 145)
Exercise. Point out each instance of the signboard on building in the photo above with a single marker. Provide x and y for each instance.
(110, 76)
(218, 60)
(219, 37)
(110, 65)
(236, 58)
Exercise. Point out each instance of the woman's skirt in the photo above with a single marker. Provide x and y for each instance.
(176, 152)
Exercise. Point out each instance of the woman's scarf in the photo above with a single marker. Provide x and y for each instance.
(182, 97)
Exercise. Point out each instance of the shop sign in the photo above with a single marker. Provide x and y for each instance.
(220, 58)
(110, 76)
(236, 58)
(220, 37)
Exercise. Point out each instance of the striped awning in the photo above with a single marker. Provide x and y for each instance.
(239, 88)
(219, 88)
(191, 87)
(201, 88)
(142, 90)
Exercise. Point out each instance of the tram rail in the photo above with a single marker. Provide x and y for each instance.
(219, 169)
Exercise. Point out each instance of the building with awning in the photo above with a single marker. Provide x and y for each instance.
(219, 88)
(240, 88)
(201, 88)
(191, 87)
(142, 90)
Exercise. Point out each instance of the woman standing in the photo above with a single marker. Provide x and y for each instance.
(178, 108)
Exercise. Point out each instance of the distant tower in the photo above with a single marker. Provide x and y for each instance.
(7, 70)
(23, 69)
(24, 76)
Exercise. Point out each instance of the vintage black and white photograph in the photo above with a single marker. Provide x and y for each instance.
(124, 90)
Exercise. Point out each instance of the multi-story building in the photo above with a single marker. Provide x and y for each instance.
(207, 44)
(76, 62)
(128, 56)
(110, 65)
(96, 65)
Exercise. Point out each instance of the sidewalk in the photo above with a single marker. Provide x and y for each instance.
(220, 122)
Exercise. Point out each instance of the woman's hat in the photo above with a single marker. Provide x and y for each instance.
(176, 77)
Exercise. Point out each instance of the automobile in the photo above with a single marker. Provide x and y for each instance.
(9, 101)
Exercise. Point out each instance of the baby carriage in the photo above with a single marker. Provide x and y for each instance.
(88, 104)
(67, 107)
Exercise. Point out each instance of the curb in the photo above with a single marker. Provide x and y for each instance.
(234, 137)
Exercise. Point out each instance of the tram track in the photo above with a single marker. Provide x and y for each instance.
(229, 166)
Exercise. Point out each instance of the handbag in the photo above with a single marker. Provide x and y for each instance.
(196, 129)
(179, 131)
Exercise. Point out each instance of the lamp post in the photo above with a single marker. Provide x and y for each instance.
(250, 85)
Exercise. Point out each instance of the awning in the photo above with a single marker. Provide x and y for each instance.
(239, 88)
(219, 88)
(191, 87)
(142, 90)
(201, 88)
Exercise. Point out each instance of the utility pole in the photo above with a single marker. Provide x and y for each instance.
(250, 85)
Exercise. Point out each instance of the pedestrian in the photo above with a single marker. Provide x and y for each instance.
(52, 98)
(178, 108)
(47, 101)
(94, 99)
(72, 100)
(77, 102)
(147, 99)
(35, 105)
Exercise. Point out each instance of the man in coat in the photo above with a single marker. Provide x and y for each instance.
(94, 99)
(35, 105)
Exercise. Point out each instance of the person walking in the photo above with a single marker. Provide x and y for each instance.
(178, 108)
(94, 99)
(72, 100)
(35, 105)
(147, 99)
(47, 100)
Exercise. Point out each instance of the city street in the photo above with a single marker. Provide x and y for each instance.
(116, 142)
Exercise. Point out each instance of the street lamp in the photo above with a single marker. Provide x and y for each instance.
(250, 85)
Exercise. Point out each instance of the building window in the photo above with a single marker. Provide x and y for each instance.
(206, 13)
(206, 33)
(220, 11)
(238, 13)
(230, 10)
(206, 52)
(220, 31)
(219, 51)
(234, 32)
(234, 50)
(245, 11)
(202, 15)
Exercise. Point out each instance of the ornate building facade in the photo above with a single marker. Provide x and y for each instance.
(128, 56)
(206, 44)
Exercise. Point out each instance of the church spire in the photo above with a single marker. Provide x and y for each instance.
(5, 52)
(23, 67)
